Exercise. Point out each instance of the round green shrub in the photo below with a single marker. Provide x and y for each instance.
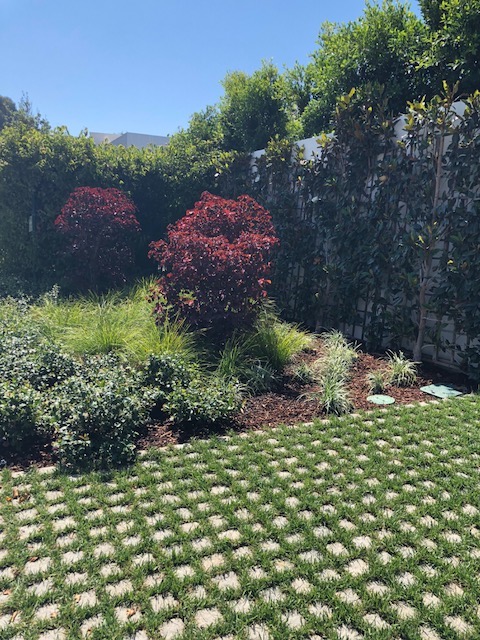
(27, 358)
(166, 372)
(97, 417)
(20, 413)
(204, 401)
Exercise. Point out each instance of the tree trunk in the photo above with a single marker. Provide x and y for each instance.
(431, 243)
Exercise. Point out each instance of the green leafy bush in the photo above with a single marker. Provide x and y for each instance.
(97, 415)
(20, 415)
(204, 401)
(164, 373)
(26, 358)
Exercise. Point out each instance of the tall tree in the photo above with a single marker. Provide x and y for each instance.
(7, 111)
(452, 50)
(254, 108)
(377, 50)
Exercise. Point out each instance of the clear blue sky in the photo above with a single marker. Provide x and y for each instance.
(147, 65)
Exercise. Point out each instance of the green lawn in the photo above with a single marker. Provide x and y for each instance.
(366, 526)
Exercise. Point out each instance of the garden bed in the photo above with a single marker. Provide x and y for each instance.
(286, 405)
(86, 382)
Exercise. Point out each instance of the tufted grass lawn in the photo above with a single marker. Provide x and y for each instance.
(366, 526)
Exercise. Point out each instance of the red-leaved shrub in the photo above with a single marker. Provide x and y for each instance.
(98, 226)
(216, 261)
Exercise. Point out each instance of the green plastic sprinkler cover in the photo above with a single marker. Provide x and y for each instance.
(441, 391)
(381, 399)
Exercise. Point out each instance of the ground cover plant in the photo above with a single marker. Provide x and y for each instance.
(362, 526)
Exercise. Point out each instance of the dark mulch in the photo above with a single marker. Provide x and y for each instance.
(286, 405)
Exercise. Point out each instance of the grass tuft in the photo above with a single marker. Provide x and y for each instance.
(113, 323)
(275, 342)
(377, 381)
(401, 371)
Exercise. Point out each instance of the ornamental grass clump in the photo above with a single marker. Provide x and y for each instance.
(304, 374)
(113, 322)
(377, 381)
(258, 357)
(332, 372)
(215, 264)
(275, 342)
(401, 372)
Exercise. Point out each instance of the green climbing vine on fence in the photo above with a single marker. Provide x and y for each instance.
(380, 231)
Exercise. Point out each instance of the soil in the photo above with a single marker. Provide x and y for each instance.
(287, 404)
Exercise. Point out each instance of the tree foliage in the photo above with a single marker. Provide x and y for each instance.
(452, 48)
(40, 167)
(377, 50)
(7, 111)
(254, 108)
(216, 261)
(379, 234)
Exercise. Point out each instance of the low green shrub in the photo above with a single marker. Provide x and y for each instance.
(27, 358)
(164, 373)
(20, 416)
(96, 416)
(205, 401)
